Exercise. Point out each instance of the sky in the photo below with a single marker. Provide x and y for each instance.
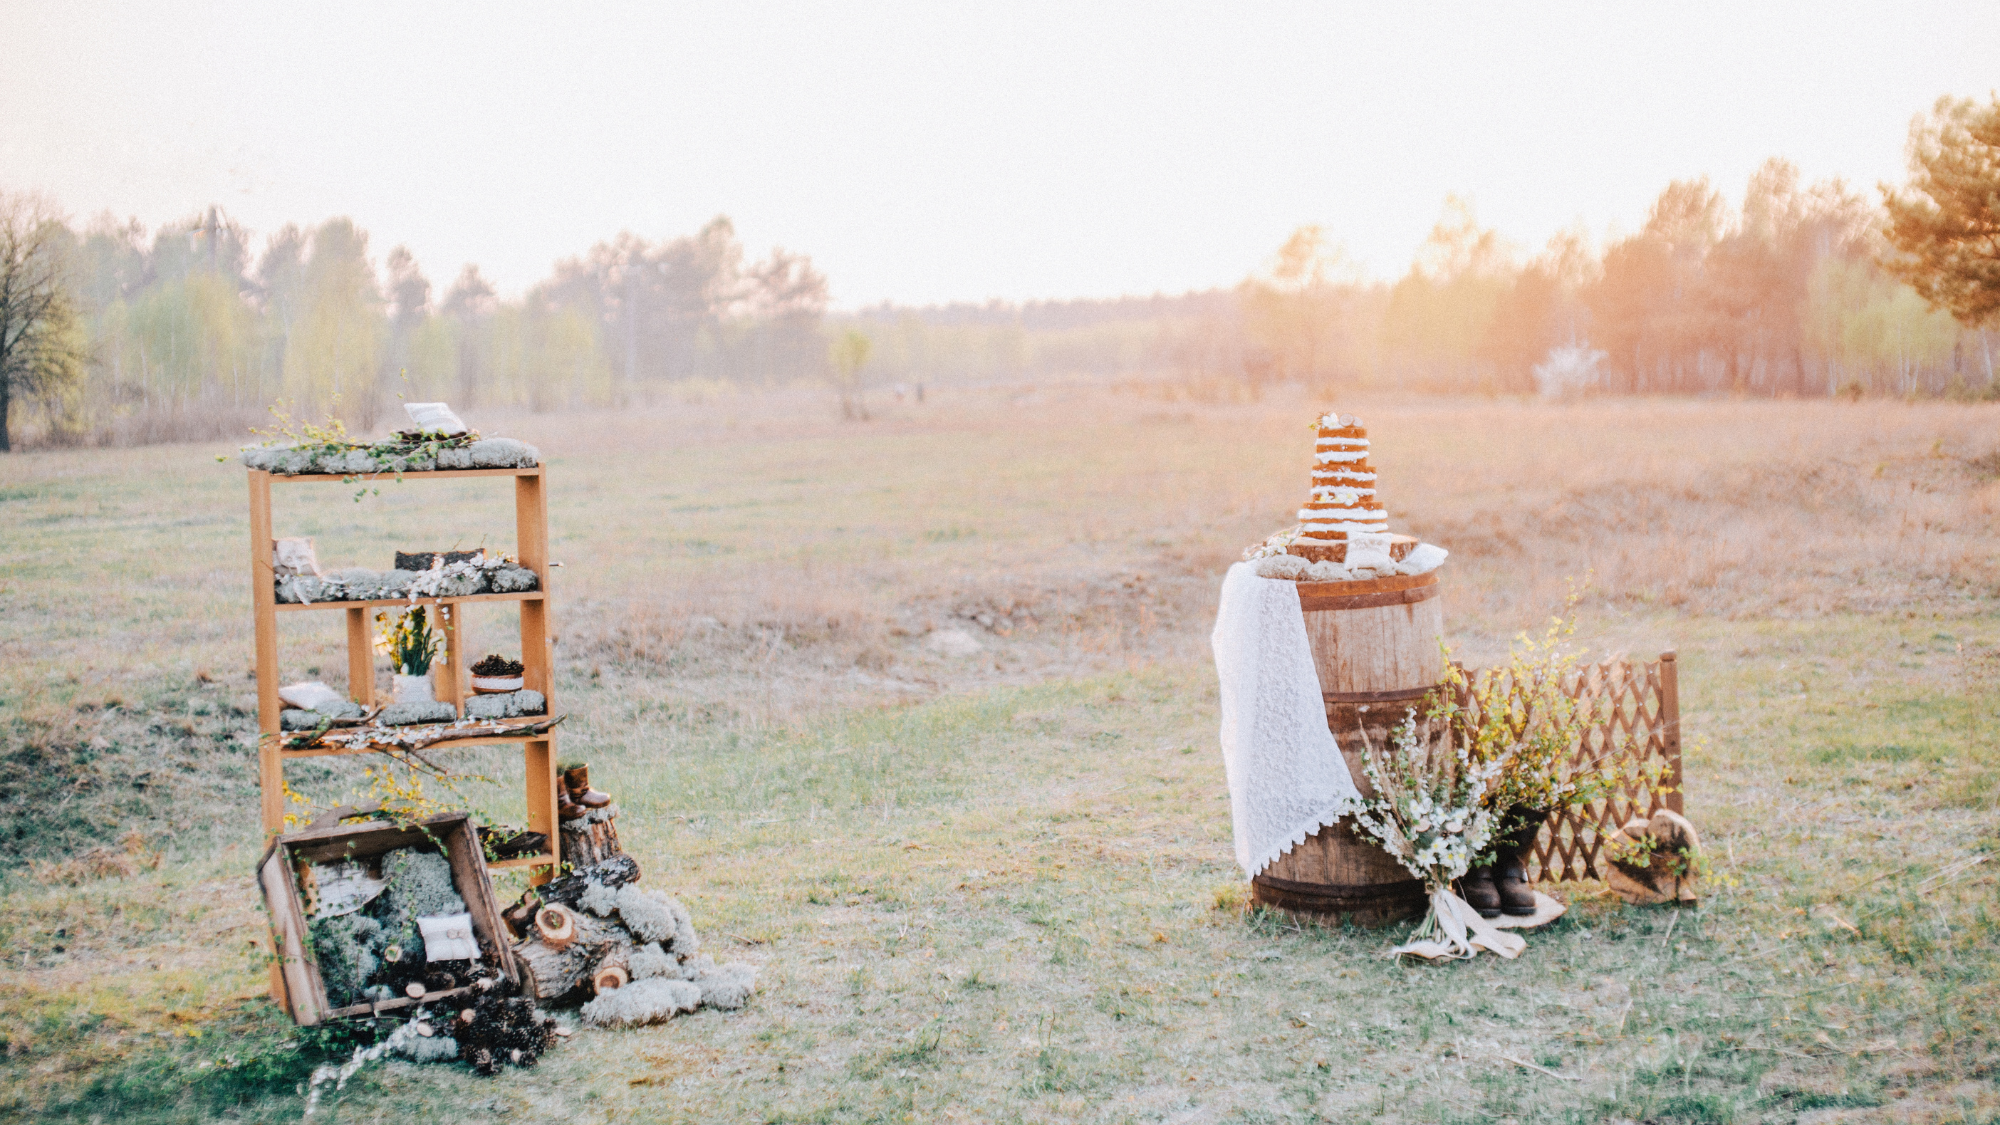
(931, 152)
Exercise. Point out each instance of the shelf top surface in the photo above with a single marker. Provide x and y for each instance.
(428, 474)
(516, 596)
(414, 731)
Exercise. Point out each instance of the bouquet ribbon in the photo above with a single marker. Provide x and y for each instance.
(1462, 933)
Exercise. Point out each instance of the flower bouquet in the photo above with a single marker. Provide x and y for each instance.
(1430, 813)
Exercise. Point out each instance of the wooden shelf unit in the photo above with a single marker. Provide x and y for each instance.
(531, 523)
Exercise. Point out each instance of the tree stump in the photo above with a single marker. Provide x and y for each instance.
(591, 840)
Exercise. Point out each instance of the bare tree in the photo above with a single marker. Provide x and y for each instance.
(42, 349)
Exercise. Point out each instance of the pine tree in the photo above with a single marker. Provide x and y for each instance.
(1946, 225)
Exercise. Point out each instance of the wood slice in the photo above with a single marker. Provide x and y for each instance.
(555, 926)
(609, 978)
(1335, 550)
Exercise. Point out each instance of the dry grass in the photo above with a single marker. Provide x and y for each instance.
(996, 887)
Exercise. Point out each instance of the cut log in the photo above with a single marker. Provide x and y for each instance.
(615, 872)
(609, 978)
(552, 973)
(549, 973)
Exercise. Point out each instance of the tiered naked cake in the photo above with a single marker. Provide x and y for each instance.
(1342, 511)
(1343, 502)
(1343, 485)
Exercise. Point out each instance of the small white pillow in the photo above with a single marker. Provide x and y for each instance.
(434, 418)
(309, 696)
(448, 937)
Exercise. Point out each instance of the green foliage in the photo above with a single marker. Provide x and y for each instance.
(849, 354)
(408, 639)
(1525, 715)
(42, 347)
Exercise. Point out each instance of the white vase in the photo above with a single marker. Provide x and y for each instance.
(413, 689)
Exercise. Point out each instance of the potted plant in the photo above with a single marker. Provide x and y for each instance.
(412, 648)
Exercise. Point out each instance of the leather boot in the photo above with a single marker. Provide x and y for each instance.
(1477, 889)
(576, 782)
(1510, 867)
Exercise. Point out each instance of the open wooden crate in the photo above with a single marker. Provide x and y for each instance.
(278, 874)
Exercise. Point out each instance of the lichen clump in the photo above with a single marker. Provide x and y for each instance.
(669, 975)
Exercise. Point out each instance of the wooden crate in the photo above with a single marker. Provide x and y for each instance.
(1633, 710)
(302, 990)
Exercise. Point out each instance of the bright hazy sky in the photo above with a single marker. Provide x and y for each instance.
(936, 152)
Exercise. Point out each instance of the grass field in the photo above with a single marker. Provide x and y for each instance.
(999, 886)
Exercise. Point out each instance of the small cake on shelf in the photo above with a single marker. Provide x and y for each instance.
(1343, 530)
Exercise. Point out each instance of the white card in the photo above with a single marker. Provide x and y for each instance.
(344, 888)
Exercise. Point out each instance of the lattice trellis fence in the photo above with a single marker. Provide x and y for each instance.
(1634, 712)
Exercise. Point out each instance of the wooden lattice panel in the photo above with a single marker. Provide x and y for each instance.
(1632, 710)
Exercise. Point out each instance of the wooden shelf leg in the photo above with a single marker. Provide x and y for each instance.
(264, 601)
(449, 679)
(540, 767)
(1670, 727)
(360, 658)
(531, 539)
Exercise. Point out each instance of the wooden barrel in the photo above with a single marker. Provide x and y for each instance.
(1376, 648)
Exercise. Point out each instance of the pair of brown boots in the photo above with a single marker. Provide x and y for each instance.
(577, 798)
(1502, 887)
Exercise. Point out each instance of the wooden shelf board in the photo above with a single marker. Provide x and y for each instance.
(517, 596)
(431, 474)
(543, 860)
(446, 744)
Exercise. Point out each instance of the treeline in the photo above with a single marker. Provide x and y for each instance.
(1786, 294)
(190, 334)
(111, 333)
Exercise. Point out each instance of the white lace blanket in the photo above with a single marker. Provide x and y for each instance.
(1286, 777)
